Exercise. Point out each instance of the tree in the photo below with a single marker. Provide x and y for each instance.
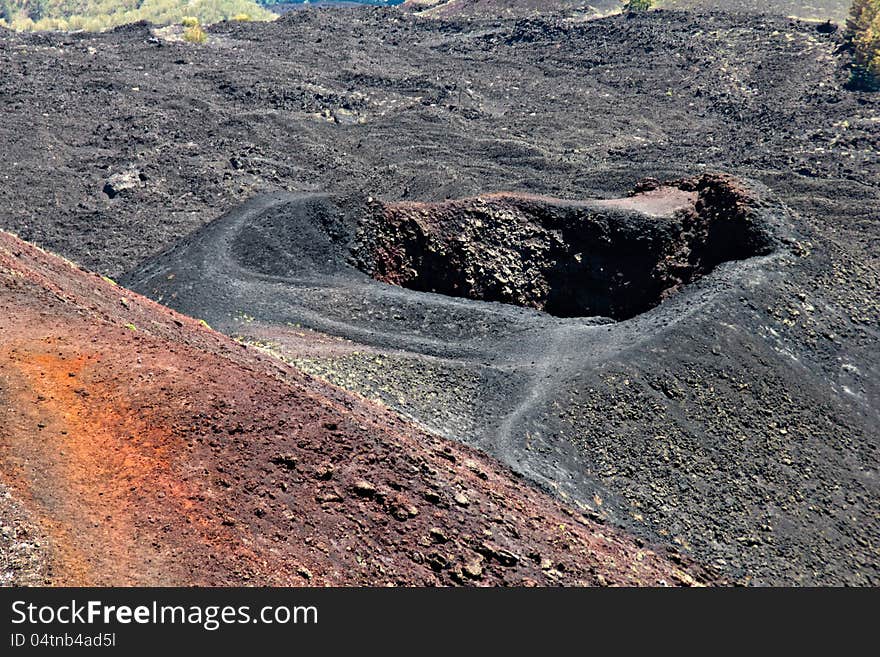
(103, 14)
(6, 12)
(863, 35)
(37, 9)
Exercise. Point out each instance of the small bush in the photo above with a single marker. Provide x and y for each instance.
(242, 18)
(190, 21)
(195, 34)
(637, 5)
(863, 34)
(7, 12)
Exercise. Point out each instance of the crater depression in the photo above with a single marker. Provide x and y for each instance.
(614, 258)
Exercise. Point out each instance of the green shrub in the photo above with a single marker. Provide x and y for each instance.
(637, 5)
(96, 15)
(863, 34)
(190, 21)
(195, 34)
(6, 11)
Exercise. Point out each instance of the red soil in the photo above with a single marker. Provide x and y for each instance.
(151, 450)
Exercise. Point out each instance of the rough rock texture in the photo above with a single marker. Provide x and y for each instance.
(834, 10)
(24, 554)
(614, 258)
(823, 10)
(508, 8)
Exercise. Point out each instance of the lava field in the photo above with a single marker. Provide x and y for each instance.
(411, 299)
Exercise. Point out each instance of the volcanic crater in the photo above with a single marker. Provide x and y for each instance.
(614, 258)
(407, 280)
(360, 268)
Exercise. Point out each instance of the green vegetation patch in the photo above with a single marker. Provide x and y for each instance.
(194, 33)
(98, 15)
(863, 34)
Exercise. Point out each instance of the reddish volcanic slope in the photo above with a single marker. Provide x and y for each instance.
(143, 448)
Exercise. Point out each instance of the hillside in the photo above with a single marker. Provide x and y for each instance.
(834, 10)
(171, 455)
(507, 8)
(97, 15)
